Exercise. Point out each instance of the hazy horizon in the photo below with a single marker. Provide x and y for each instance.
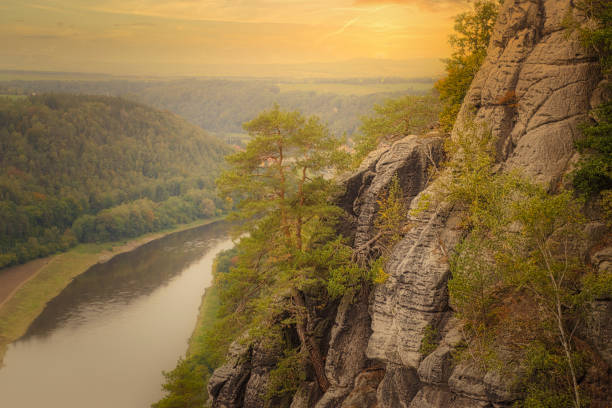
(353, 68)
(337, 38)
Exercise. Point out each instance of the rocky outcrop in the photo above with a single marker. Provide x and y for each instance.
(436, 368)
(410, 158)
(227, 384)
(363, 394)
(243, 379)
(398, 387)
(534, 89)
(346, 355)
(415, 294)
(435, 397)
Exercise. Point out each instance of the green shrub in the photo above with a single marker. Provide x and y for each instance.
(594, 172)
(394, 119)
(430, 340)
(185, 385)
(286, 376)
(544, 382)
(473, 31)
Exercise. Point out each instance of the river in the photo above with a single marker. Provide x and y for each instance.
(104, 341)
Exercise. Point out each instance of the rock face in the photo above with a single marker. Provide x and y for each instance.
(409, 158)
(346, 355)
(243, 379)
(228, 383)
(535, 87)
(415, 294)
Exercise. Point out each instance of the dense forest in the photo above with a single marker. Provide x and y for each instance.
(94, 168)
(221, 106)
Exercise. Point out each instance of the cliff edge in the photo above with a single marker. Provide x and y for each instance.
(534, 89)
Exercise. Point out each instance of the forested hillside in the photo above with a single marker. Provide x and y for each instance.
(94, 168)
(221, 106)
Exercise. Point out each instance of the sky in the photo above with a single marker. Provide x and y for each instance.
(212, 37)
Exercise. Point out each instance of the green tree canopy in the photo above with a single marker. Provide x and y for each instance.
(473, 31)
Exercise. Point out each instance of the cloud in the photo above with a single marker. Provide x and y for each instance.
(409, 2)
(422, 4)
(134, 25)
(43, 36)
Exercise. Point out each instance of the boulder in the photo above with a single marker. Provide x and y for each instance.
(243, 380)
(410, 158)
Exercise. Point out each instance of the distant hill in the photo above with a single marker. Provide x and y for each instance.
(221, 106)
(97, 168)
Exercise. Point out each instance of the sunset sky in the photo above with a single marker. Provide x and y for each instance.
(188, 37)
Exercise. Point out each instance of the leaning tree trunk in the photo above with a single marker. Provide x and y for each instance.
(307, 341)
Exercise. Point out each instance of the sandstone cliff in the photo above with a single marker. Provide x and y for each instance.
(534, 89)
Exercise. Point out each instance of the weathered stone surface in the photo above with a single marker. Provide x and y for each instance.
(602, 259)
(333, 397)
(439, 397)
(410, 158)
(227, 384)
(305, 396)
(468, 381)
(436, 368)
(415, 294)
(432, 397)
(243, 380)
(346, 355)
(534, 88)
(256, 388)
(363, 394)
(398, 387)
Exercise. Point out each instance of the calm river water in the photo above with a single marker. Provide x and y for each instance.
(104, 341)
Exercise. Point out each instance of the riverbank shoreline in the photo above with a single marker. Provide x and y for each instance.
(45, 279)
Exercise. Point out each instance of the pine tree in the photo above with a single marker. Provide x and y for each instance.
(282, 183)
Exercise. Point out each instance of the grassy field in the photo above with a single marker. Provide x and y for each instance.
(206, 317)
(354, 89)
(18, 312)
